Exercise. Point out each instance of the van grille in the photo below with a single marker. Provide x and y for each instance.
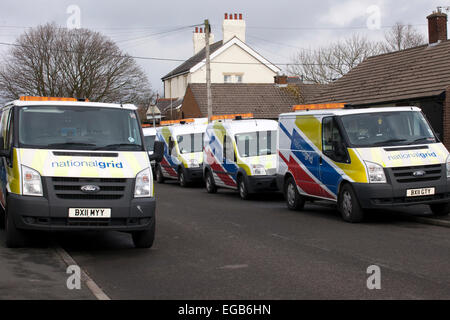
(406, 174)
(70, 188)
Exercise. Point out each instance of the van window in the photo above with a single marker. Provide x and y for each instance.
(259, 143)
(189, 143)
(228, 150)
(9, 130)
(387, 128)
(149, 142)
(72, 127)
(332, 141)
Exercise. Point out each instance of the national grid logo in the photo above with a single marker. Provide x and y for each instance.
(87, 164)
(422, 155)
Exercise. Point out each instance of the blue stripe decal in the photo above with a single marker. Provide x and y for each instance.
(310, 159)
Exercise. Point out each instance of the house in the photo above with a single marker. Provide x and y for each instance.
(264, 100)
(417, 76)
(232, 61)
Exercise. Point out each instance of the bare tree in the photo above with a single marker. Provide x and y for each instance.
(401, 37)
(329, 63)
(53, 61)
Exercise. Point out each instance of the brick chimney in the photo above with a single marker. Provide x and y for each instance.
(281, 79)
(198, 38)
(233, 26)
(437, 26)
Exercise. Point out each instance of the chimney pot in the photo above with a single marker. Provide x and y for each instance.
(226, 16)
(231, 16)
(235, 16)
(196, 29)
(437, 27)
(240, 16)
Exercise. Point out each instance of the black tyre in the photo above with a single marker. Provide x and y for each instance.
(348, 205)
(242, 188)
(15, 238)
(294, 200)
(144, 239)
(159, 174)
(182, 178)
(440, 209)
(209, 183)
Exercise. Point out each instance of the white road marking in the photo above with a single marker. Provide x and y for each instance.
(95, 289)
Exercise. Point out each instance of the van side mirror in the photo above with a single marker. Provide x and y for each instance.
(158, 151)
(3, 151)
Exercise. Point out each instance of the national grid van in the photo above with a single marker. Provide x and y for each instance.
(240, 153)
(183, 150)
(70, 165)
(362, 159)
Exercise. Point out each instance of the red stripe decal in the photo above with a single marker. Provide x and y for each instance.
(211, 160)
(304, 180)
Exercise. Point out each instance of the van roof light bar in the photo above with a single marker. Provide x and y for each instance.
(179, 121)
(318, 106)
(237, 116)
(33, 98)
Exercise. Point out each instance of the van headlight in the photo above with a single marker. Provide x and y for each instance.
(376, 172)
(447, 164)
(258, 170)
(31, 182)
(143, 187)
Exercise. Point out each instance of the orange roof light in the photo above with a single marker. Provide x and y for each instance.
(232, 116)
(319, 106)
(169, 122)
(31, 98)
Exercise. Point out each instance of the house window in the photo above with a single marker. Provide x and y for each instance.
(232, 78)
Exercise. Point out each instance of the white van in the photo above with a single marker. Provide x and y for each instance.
(240, 153)
(70, 165)
(183, 150)
(362, 159)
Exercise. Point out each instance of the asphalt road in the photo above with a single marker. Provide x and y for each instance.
(220, 247)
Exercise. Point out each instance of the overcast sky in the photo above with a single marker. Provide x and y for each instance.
(159, 29)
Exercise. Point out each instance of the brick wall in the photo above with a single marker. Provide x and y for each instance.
(446, 119)
(190, 106)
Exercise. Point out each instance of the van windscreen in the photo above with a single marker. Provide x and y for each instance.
(190, 143)
(387, 128)
(259, 143)
(85, 128)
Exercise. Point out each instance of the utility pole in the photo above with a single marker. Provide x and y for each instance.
(153, 110)
(208, 70)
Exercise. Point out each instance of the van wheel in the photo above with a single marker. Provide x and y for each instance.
(159, 174)
(294, 200)
(15, 238)
(144, 239)
(210, 184)
(349, 206)
(440, 209)
(242, 187)
(182, 178)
